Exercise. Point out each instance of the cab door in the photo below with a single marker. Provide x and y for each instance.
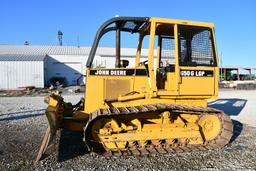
(166, 79)
(166, 66)
(197, 61)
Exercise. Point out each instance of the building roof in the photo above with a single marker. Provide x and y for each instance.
(66, 50)
(44, 49)
(22, 57)
(237, 67)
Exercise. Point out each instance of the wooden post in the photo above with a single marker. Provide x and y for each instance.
(238, 78)
(225, 74)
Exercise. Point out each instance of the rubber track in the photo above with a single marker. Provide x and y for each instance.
(219, 142)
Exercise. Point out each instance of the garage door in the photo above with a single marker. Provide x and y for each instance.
(70, 70)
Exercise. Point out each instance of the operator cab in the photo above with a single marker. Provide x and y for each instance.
(180, 60)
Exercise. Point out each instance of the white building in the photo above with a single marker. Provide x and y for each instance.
(19, 70)
(30, 65)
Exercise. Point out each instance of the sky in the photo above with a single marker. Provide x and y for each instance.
(38, 21)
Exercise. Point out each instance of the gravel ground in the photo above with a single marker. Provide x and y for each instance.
(22, 125)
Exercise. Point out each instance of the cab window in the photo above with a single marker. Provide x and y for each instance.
(196, 46)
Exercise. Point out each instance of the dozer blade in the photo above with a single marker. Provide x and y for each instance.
(54, 117)
(44, 144)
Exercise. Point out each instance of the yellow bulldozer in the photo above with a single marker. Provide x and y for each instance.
(159, 105)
